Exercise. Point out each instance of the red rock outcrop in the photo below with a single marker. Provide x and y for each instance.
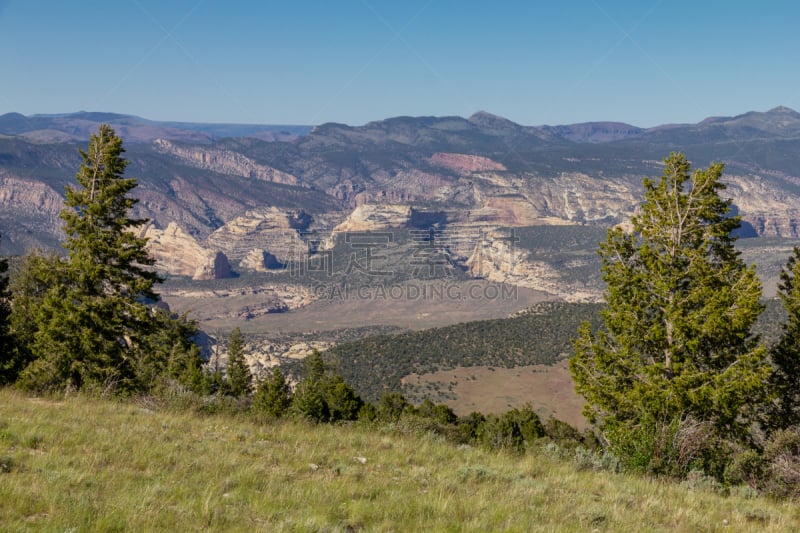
(465, 164)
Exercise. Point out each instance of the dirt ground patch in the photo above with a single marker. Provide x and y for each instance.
(398, 307)
(549, 389)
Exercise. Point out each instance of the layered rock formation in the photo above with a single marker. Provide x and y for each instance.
(774, 225)
(449, 173)
(178, 253)
(31, 196)
(767, 211)
(274, 233)
(28, 207)
(375, 217)
(580, 198)
(403, 187)
(260, 260)
(496, 258)
(510, 211)
(224, 162)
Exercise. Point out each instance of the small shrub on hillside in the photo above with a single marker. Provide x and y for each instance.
(476, 473)
(530, 425)
(410, 423)
(464, 434)
(391, 406)
(368, 413)
(308, 402)
(782, 458)
(569, 437)
(440, 413)
(671, 448)
(222, 405)
(172, 396)
(500, 433)
(585, 459)
(414, 422)
(554, 451)
(468, 428)
(699, 480)
(513, 430)
(273, 396)
(743, 491)
(746, 468)
(342, 401)
(561, 432)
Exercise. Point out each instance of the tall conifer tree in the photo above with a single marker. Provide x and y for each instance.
(91, 325)
(677, 342)
(786, 353)
(236, 371)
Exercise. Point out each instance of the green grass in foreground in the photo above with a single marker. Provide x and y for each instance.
(92, 465)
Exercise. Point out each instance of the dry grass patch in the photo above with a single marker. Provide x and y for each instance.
(548, 388)
(90, 465)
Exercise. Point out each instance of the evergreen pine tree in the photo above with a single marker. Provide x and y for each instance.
(7, 360)
(273, 397)
(34, 275)
(323, 395)
(677, 342)
(309, 398)
(215, 382)
(91, 324)
(315, 367)
(786, 353)
(237, 372)
(391, 406)
(170, 354)
(342, 400)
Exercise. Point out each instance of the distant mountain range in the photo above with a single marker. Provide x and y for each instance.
(77, 126)
(781, 122)
(215, 189)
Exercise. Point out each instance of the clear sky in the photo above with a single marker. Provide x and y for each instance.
(645, 62)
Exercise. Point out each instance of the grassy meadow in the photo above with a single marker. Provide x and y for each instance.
(96, 465)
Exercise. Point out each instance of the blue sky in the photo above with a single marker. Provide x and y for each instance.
(645, 62)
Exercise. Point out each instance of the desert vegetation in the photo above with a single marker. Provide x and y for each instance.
(540, 335)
